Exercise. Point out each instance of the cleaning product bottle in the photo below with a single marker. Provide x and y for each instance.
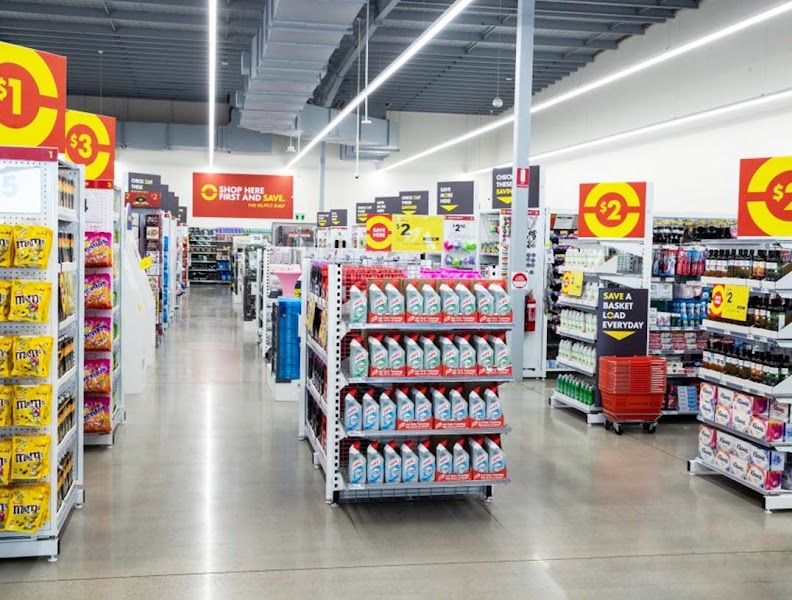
(449, 300)
(414, 352)
(477, 406)
(478, 456)
(378, 355)
(485, 357)
(396, 355)
(377, 300)
(444, 461)
(358, 358)
(423, 408)
(414, 300)
(440, 404)
(409, 463)
(431, 299)
(459, 406)
(461, 458)
(426, 462)
(502, 300)
(449, 353)
(358, 307)
(497, 459)
(357, 465)
(352, 412)
(431, 353)
(395, 300)
(387, 412)
(371, 412)
(467, 356)
(375, 464)
(393, 463)
(485, 301)
(405, 407)
(467, 301)
(493, 405)
(501, 351)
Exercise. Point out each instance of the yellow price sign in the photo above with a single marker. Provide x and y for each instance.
(145, 262)
(572, 283)
(417, 233)
(735, 303)
(765, 201)
(32, 97)
(90, 141)
(612, 210)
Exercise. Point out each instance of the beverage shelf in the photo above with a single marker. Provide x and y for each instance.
(781, 338)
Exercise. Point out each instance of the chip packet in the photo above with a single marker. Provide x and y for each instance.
(30, 459)
(6, 406)
(32, 405)
(98, 249)
(96, 376)
(6, 245)
(97, 414)
(30, 301)
(27, 508)
(31, 356)
(98, 334)
(98, 290)
(5, 461)
(32, 246)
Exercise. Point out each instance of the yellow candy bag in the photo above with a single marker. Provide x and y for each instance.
(30, 301)
(6, 245)
(31, 356)
(5, 461)
(32, 405)
(6, 400)
(30, 459)
(5, 299)
(32, 246)
(6, 343)
(27, 508)
(5, 496)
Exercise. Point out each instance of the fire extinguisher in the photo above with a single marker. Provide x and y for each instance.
(530, 312)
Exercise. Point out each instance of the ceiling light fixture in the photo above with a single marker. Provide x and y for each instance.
(720, 111)
(212, 76)
(436, 27)
(617, 76)
(366, 120)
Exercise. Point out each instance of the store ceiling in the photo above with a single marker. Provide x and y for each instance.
(157, 48)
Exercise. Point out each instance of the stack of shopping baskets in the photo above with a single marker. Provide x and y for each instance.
(632, 390)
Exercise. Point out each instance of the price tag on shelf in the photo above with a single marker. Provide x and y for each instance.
(735, 305)
(572, 284)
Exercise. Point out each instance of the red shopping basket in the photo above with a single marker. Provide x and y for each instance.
(632, 389)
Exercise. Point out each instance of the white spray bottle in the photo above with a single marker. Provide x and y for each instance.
(478, 456)
(461, 459)
(444, 459)
(409, 463)
(357, 465)
(371, 412)
(393, 463)
(387, 412)
(426, 462)
(497, 459)
(405, 407)
(352, 412)
(375, 464)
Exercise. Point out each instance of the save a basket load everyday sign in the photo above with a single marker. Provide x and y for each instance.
(622, 328)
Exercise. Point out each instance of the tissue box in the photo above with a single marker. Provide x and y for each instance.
(768, 460)
(707, 455)
(769, 430)
(722, 461)
(779, 411)
(767, 480)
(726, 397)
(741, 421)
(742, 449)
(708, 436)
(739, 467)
(725, 442)
(708, 393)
(707, 411)
(723, 415)
(750, 405)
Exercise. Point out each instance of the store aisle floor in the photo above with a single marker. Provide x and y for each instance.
(209, 494)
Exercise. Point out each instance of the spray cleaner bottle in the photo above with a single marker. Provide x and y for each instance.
(405, 407)
(440, 404)
(431, 300)
(449, 300)
(358, 358)
(371, 412)
(409, 463)
(423, 407)
(377, 300)
(478, 456)
(375, 464)
(444, 460)
(414, 300)
(357, 465)
(485, 301)
(352, 412)
(461, 458)
(396, 355)
(477, 406)
(393, 463)
(497, 459)
(426, 462)
(378, 355)
(358, 306)
(387, 412)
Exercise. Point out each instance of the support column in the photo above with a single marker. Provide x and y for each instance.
(322, 164)
(523, 90)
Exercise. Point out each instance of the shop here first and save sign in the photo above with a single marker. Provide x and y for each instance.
(234, 195)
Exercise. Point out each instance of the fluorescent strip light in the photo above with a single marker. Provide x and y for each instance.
(436, 27)
(657, 127)
(212, 76)
(617, 76)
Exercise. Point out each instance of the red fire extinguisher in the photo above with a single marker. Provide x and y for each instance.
(530, 313)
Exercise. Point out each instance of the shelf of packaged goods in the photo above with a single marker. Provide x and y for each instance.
(777, 446)
(682, 375)
(782, 287)
(584, 369)
(374, 434)
(317, 299)
(588, 409)
(423, 485)
(426, 326)
(678, 413)
(67, 441)
(634, 247)
(566, 302)
(66, 506)
(781, 392)
(317, 447)
(674, 329)
(673, 351)
(553, 366)
(309, 385)
(201, 270)
(425, 379)
(66, 378)
(781, 338)
(316, 347)
(577, 335)
(67, 267)
(105, 439)
(69, 215)
(67, 322)
(773, 499)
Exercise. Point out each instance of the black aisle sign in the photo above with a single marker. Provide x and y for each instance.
(387, 205)
(182, 215)
(502, 187)
(338, 217)
(323, 219)
(362, 211)
(455, 197)
(144, 182)
(414, 203)
(622, 325)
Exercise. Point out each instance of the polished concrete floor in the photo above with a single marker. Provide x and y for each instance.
(209, 494)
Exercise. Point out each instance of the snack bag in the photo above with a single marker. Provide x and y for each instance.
(32, 245)
(6, 343)
(30, 301)
(31, 356)
(32, 405)
(5, 299)
(6, 245)
(5, 496)
(5, 464)
(97, 414)
(6, 406)
(98, 334)
(96, 376)
(27, 508)
(98, 249)
(30, 458)
(98, 290)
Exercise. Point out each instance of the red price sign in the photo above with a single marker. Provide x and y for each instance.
(765, 204)
(32, 97)
(90, 141)
(379, 233)
(612, 210)
(717, 301)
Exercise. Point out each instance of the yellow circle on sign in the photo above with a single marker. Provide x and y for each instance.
(379, 244)
(629, 220)
(209, 192)
(758, 209)
(145, 263)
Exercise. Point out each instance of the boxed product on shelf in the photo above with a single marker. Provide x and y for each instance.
(457, 356)
(422, 302)
(450, 408)
(386, 356)
(487, 460)
(493, 302)
(422, 356)
(457, 301)
(385, 301)
(485, 408)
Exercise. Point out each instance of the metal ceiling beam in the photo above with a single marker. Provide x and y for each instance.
(458, 52)
(111, 44)
(641, 3)
(508, 39)
(180, 6)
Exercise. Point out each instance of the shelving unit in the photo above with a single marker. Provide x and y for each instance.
(324, 363)
(560, 227)
(39, 176)
(210, 256)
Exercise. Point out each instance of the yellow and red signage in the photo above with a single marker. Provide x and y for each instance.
(32, 97)
(379, 233)
(143, 199)
(765, 202)
(612, 210)
(90, 141)
(231, 195)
